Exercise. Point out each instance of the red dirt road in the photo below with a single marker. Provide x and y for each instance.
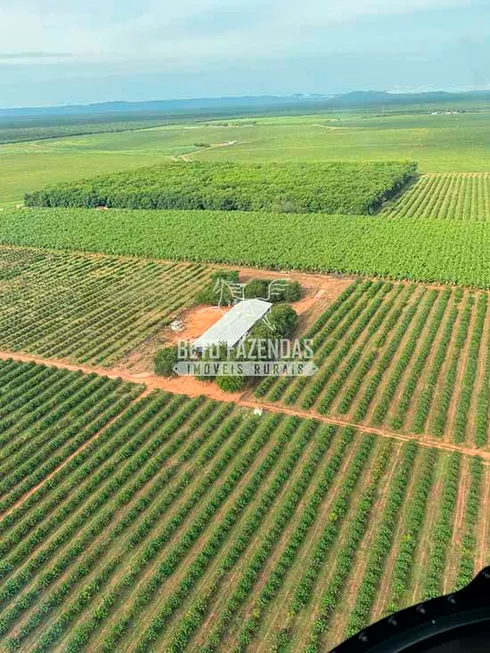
(192, 387)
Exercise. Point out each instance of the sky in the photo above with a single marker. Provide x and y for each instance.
(57, 52)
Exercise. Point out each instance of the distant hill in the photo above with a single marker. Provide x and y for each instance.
(382, 98)
(166, 106)
(235, 105)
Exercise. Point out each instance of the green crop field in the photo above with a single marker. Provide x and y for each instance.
(89, 309)
(349, 188)
(134, 519)
(460, 196)
(447, 251)
(193, 524)
(403, 357)
(453, 143)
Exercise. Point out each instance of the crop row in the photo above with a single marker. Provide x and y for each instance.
(429, 251)
(190, 524)
(369, 587)
(326, 335)
(411, 530)
(277, 575)
(343, 566)
(449, 196)
(242, 539)
(188, 538)
(144, 515)
(204, 419)
(407, 358)
(92, 309)
(472, 511)
(443, 530)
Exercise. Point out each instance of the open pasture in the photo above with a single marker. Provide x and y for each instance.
(189, 524)
(455, 143)
(25, 130)
(89, 309)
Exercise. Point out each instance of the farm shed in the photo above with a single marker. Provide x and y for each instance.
(234, 325)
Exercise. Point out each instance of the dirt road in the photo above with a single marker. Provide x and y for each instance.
(192, 387)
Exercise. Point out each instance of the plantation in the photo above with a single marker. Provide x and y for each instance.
(181, 508)
(348, 188)
(439, 143)
(402, 357)
(89, 309)
(450, 196)
(169, 523)
(446, 251)
(135, 519)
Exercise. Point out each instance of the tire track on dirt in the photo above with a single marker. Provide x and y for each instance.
(210, 390)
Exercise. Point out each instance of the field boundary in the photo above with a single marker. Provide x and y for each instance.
(168, 385)
(257, 272)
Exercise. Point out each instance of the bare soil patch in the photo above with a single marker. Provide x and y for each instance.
(196, 321)
(318, 292)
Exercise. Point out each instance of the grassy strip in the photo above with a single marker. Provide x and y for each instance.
(344, 562)
(410, 536)
(466, 389)
(361, 613)
(443, 532)
(472, 512)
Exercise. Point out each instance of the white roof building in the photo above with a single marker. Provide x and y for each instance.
(234, 325)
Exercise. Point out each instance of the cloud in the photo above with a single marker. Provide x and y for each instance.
(9, 56)
(69, 50)
(184, 31)
(330, 13)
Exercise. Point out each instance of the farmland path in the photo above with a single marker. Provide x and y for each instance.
(185, 157)
(192, 387)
